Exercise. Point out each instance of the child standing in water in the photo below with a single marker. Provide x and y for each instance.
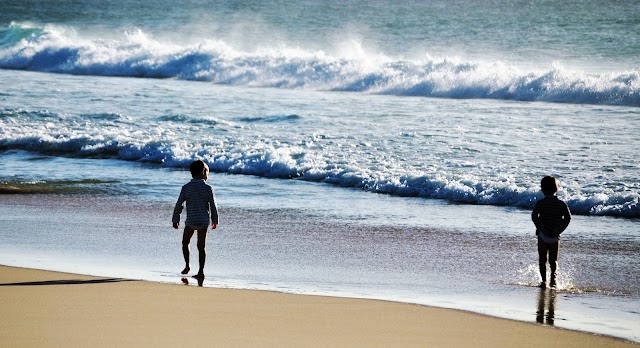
(551, 217)
(201, 209)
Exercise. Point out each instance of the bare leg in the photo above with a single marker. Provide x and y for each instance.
(553, 261)
(202, 254)
(542, 261)
(186, 239)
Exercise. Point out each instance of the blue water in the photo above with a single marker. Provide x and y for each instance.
(386, 151)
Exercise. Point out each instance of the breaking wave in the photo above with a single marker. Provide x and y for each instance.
(289, 161)
(137, 54)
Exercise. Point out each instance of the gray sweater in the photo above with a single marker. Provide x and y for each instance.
(201, 205)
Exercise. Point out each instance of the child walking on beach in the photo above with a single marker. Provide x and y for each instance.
(551, 217)
(201, 209)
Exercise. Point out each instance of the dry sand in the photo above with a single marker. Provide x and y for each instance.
(41, 308)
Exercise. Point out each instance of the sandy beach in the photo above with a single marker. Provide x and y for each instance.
(41, 308)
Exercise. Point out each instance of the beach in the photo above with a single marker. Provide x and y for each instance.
(387, 155)
(41, 308)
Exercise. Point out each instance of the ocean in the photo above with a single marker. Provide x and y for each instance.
(361, 149)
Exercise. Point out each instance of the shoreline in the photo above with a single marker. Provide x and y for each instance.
(61, 246)
(45, 308)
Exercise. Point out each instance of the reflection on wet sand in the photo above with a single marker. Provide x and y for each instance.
(546, 306)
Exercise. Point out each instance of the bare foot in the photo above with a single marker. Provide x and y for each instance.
(186, 270)
(199, 276)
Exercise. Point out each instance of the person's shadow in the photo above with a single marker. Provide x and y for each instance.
(546, 307)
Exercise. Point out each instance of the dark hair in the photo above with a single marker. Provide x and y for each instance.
(196, 168)
(549, 185)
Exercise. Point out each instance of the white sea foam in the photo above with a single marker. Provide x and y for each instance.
(308, 160)
(137, 54)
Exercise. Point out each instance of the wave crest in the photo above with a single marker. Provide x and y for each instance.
(289, 162)
(136, 54)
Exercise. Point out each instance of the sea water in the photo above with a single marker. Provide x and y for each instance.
(389, 151)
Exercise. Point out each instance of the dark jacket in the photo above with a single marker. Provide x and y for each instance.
(551, 216)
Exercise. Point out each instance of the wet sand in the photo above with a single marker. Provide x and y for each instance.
(41, 308)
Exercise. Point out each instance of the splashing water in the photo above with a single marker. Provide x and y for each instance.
(137, 54)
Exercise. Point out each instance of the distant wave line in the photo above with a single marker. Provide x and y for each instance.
(136, 55)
